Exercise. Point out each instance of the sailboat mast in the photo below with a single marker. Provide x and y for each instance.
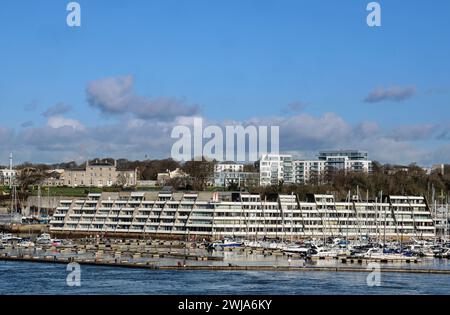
(377, 235)
(446, 221)
(384, 212)
(347, 210)
(39, 201)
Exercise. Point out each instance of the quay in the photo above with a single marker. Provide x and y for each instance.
(229, 267)
(134, 250)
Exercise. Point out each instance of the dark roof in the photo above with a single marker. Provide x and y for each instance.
(102, 162)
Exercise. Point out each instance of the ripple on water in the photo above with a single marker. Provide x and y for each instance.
(34, 278)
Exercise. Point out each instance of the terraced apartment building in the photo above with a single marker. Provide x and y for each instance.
(216, 215)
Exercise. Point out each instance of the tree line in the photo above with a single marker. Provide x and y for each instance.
(389, 179)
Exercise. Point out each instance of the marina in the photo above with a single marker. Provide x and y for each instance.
(230, 231)
(334, 255)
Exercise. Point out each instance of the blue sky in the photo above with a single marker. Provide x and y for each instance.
(313, 67)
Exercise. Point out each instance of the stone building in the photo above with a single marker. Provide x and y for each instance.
(100, 173)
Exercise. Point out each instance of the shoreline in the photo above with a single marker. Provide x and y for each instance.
(149, 266)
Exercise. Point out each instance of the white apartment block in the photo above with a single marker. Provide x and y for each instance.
(346, 160)
(228, 167)
(277, 168)
(307, 170)
(227, 174)
(7, 176)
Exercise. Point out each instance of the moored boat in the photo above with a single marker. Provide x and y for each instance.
(6, 238)
(26, 244)
(297, 249)
(226, 243)
(44, 239)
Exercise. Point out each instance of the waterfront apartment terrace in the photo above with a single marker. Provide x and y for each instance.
(243, 215)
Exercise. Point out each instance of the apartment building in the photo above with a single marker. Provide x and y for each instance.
(308, 170)
(346, 160)
(238, 179)
(228, 174)
(277, 168)
(8, 175)
(228, 166)
(239, 214)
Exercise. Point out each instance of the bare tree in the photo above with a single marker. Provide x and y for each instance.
(200, 172)
(121, 180)
(29, 176)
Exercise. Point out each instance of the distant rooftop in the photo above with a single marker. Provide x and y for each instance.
(103, 162)
(229, 163)
(352, 154)
(342, 152)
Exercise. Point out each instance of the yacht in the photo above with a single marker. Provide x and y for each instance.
(43, 239)
(378, 253)
(10, 238)
(226, 243)
(297, 249)
(26, 244)
(276, 245)
(331, 252)
(253, 244)
(445, 253)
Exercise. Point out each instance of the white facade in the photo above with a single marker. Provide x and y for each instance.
(162, 178)
(7, 176)
(306, 170)
(244, 215)
(346, 164)
(276, 168)
(231, 173)
(346, 160)
(228, 167)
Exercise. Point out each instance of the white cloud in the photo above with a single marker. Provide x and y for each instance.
(302, 135)
(115, 96)
(60, 121)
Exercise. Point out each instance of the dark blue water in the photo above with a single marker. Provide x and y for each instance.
(36, 278)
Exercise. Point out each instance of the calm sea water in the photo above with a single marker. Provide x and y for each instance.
(36, 278)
